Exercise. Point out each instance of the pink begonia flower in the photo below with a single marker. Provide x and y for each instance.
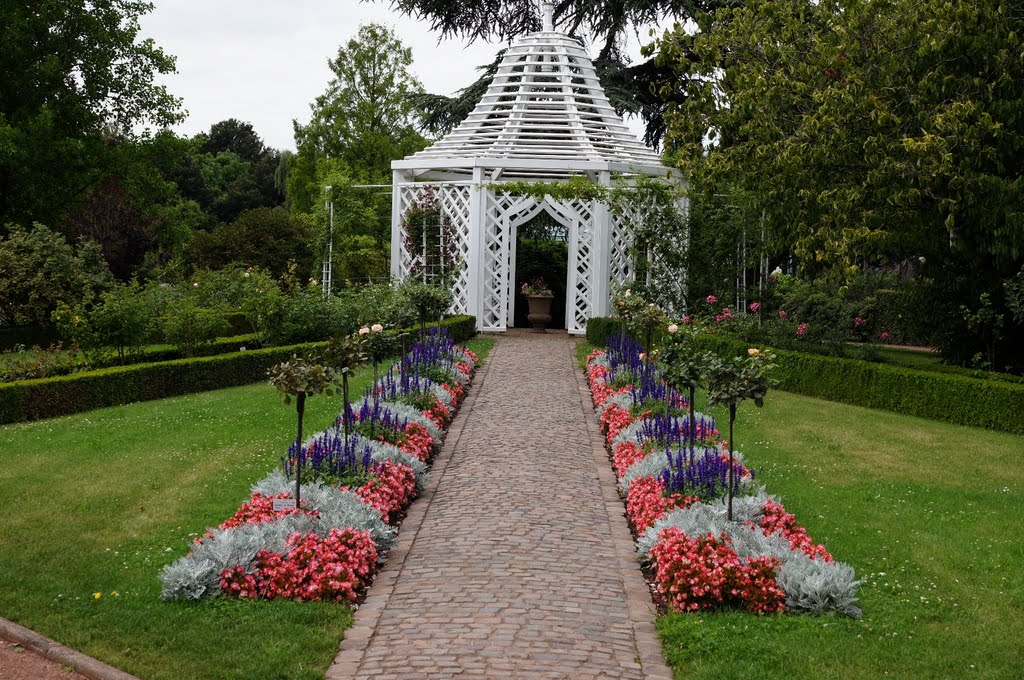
(801, 329)
(688, 320)
(782, 314)
(755, 306)
(711, 299)
(884, 335)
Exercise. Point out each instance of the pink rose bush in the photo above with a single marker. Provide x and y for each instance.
(675, 494)
(355, 487)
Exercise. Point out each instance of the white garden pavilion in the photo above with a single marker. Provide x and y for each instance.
(545, 117)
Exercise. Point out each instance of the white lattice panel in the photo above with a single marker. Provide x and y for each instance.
(454, 201)
(620, 260)
(496, 266)
(407, 195)
(578, 216)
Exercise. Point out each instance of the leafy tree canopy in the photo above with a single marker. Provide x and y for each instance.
(365, 118)
(268, 238)
(39, 268)
(76, 78)
(865, 128)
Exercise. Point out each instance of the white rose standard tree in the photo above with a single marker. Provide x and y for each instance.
(378, 346)
(343, 356)
(730, 381)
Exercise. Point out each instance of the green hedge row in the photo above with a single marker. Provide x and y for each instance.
(49, 397)
(939, 396)
(964, 400)
(600, 328)
(461, 327)
(62, 395)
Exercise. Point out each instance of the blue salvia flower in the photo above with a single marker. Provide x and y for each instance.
(703, 473)
(328, 454)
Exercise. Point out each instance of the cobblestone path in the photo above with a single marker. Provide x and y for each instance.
(516, 562)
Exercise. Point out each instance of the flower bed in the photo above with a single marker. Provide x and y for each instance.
(355, 490)
(674, 478)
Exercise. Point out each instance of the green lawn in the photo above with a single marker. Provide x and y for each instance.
(98, 502)
(929, 514)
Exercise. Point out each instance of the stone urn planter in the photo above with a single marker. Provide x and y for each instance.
(540, 311)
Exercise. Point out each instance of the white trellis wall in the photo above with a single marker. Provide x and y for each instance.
(544, 117)
(598, 245)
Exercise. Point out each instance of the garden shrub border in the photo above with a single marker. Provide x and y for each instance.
(63, 395)
(961, 400)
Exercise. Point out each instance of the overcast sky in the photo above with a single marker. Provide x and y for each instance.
(265, 61)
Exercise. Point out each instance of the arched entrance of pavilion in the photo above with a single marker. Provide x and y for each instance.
(540, 238)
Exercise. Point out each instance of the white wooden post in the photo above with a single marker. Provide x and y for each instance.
(477, 216)
(601, 257)
(398, 181)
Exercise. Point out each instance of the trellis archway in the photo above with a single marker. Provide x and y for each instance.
(544, 116)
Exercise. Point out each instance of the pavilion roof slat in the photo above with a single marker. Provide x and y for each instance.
(546, 105)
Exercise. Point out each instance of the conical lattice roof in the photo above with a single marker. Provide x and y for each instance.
(545, 108)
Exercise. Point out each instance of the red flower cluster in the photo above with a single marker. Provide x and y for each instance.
(416, 441)
(627, 453)
(257, 510)
(314, 568)
(392, 486)
(613, 419)
(646, 502)
(706, 573)
(471, 354)
(600, 390)
(456, 390)
(777, 520)
(439, 413)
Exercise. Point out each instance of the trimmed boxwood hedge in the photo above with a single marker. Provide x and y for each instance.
(964, 400)
(939, 396)
(62, 395)
(49, 397)
(461, 327)
(600, 328)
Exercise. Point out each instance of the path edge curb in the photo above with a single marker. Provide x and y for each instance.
(357, 638)
(642, 611)
(62, 654)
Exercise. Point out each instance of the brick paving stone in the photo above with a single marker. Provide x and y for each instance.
(514, 567)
